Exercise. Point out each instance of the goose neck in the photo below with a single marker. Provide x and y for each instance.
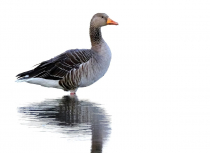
(95, 35)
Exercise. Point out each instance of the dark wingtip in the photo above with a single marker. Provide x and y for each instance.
(23, 74)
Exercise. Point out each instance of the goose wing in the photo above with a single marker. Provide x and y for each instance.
(58, 67)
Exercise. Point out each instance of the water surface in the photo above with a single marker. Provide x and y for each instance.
(74, 118)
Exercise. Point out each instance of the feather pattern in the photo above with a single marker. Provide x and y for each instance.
(59, 66)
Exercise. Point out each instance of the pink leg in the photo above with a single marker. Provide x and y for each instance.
(73, 92)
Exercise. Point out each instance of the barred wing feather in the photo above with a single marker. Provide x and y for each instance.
(59, 66)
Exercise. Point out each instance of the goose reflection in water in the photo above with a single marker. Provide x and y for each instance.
(70, 116)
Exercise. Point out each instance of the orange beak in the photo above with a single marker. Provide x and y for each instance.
(111, 22)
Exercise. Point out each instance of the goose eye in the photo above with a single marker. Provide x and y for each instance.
(102, 17)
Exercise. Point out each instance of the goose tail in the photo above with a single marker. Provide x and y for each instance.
(24, 76)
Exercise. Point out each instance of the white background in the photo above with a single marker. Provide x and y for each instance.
(156, 90)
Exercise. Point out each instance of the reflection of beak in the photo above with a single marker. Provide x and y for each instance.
(111, 22)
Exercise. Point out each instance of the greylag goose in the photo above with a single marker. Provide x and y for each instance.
(76, 67)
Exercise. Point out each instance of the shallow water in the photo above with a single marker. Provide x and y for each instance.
(70, 116)
(42, 120)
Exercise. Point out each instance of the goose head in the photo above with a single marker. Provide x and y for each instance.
(102, 19)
